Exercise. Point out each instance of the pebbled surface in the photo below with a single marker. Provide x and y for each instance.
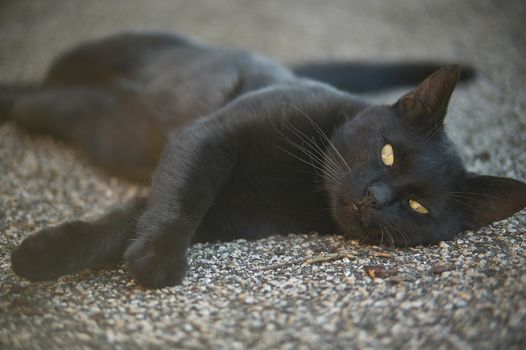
(467, 293)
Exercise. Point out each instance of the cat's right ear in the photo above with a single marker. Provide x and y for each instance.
(426, 106)
(488, 199)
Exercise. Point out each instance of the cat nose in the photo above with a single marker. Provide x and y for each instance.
(379, 194)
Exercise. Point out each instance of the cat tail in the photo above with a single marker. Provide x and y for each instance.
(76, 245)
(359, 77)
(9, 94)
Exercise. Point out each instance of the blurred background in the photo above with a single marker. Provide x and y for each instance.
(32, 32)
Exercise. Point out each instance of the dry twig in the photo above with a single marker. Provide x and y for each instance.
(312, 260)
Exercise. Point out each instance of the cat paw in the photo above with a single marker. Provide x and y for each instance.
(45, 255)
(154, 269)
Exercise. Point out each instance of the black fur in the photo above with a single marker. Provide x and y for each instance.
(358, 77)
(250, 149)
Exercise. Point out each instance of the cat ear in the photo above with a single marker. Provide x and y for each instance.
(427, 104)
(490, 198)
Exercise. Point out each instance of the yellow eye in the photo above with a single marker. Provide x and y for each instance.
(388, 155)
(419, 208)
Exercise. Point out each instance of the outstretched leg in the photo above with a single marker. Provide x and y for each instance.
(9, 94)
(195, 167)
(76, 245)
(110, 126)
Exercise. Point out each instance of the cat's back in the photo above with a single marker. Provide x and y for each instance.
(173, 77)
(155, 60)
(101, 61)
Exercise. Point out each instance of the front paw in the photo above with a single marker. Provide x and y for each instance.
(155, 268)
(33, 260)
(48, 254)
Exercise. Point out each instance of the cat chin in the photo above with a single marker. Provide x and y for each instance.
(376, 238)
(353, 228)
(370, 235)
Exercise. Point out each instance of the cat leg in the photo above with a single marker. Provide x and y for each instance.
(9, 94)
(112, 128)
(195, 167)
(76, 245)
(59, 112)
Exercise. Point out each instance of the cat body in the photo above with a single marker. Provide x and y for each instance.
(242, 147)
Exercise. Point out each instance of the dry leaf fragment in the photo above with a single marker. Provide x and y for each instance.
(382, 255)
(370, 272)
(378, 272)
(464, 295)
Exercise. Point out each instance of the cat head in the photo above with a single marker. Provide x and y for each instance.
(403, 181)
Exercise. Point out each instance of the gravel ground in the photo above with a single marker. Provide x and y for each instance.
(467, 293)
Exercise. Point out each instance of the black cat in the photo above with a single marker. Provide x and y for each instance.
(250, 149)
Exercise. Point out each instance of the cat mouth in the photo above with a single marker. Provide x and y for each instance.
(355, 226)
(351, 216)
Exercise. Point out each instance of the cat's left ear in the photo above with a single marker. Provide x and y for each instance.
(427, 104)
(490, 198)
